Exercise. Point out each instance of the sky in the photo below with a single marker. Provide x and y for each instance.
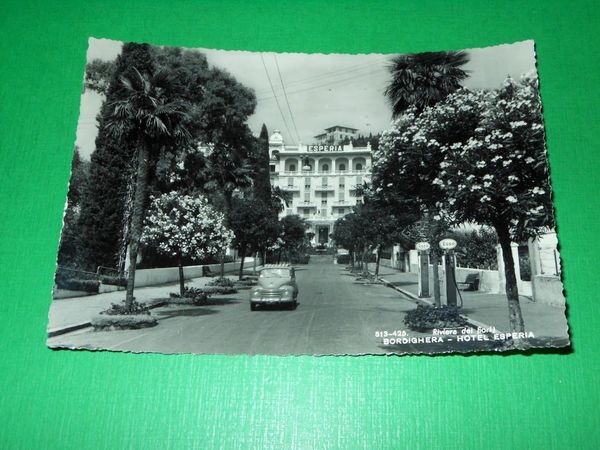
(301, 94)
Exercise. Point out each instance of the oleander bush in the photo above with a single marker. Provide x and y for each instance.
(427, 317)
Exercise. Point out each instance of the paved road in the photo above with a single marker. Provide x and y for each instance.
(335, 315)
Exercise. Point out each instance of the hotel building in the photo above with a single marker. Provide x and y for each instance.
(321, 177)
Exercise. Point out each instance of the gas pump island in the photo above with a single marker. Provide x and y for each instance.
(448, 246)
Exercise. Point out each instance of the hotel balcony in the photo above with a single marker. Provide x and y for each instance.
(291, 188)
(323, 173)
(305, 204)
(343, 203)
(324, 188)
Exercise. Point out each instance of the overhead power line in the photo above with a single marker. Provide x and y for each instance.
(333, 73)
(329, 83)
(286, 97)
(275, 95)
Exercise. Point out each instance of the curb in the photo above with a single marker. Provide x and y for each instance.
(79, 326)
(411, 296)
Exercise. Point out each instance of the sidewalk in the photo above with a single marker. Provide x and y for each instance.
(489, 309)
(73, 313)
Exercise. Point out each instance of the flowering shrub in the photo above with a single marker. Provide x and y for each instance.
(499, 175)
(185, 225)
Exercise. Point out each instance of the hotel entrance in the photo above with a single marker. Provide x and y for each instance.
(322, 234)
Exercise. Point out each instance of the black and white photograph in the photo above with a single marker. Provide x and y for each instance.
(263, 203)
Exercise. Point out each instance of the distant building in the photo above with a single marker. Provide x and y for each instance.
(336, 134)
(321, 177)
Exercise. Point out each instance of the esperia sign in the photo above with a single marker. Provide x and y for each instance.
(324, 148)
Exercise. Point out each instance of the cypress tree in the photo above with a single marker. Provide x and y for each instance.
(262, 177)
(104, 200)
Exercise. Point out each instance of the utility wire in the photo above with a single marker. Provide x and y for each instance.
(286, 97)
(275, 95)
(333, 73)
(329, 83)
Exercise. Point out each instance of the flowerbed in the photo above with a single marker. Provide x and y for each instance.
(123, 322)
(119, 317)
(221, 282)
(425, 318)
(191, 296)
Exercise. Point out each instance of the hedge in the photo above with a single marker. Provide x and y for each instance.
(123, 321)
(74, 284)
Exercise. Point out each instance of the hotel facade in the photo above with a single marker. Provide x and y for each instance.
(321, 178)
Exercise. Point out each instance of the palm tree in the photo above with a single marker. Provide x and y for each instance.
(420, 80)
(227, 169)
(423, 79)
(146, 116)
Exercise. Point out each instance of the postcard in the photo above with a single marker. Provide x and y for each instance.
(235, 202)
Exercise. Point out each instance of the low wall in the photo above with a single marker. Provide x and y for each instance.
(152, 277)
(488, 279)
(66, 293)
(548, 289)
(163, 275)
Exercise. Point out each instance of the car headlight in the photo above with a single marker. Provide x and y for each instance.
(287, 291)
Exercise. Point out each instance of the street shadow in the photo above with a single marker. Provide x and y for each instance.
(188, 312)
(402, 283)
(221, 301)
(277, 308)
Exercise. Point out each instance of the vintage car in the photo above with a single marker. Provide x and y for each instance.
(276, 286)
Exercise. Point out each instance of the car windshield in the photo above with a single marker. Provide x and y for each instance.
(275, 273)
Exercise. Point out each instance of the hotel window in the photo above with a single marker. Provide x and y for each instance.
(307, 184)
(359, 166)
(342, 183)
(325, 168)
(324, 181)
(341, 196)
(307, 197)
(272, 167)
(342, 167)
(292, 167)
(324, 202)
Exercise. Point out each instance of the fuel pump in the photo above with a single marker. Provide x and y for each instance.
(448, 245)
(423, 249)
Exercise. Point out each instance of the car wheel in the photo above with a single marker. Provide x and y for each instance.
(252, 306)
